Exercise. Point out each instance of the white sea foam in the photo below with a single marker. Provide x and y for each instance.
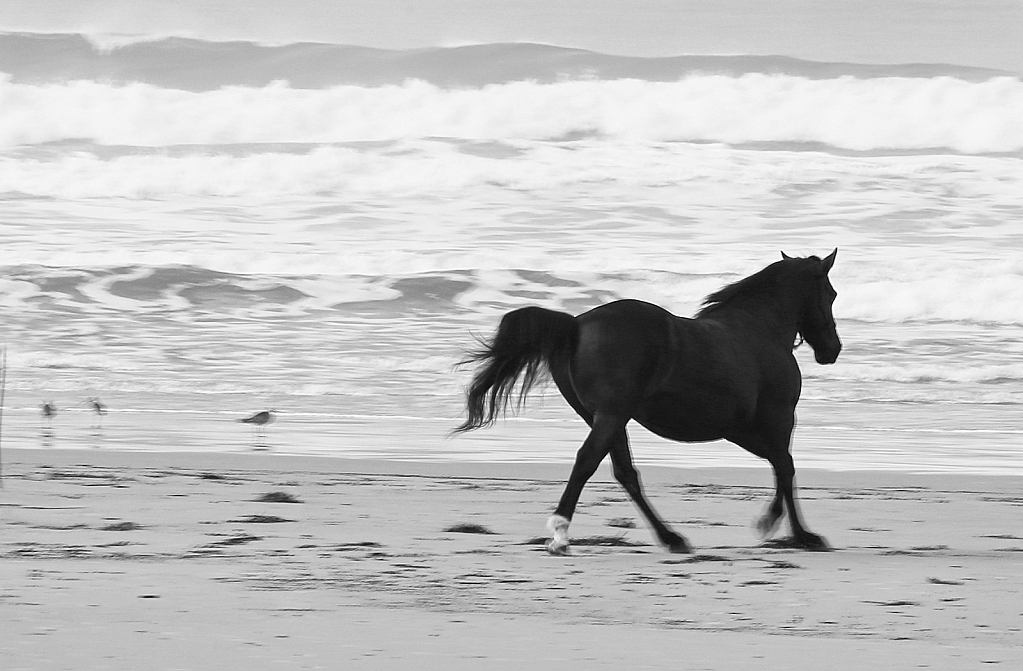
(421, 167)
(847, 113)
(953, 371)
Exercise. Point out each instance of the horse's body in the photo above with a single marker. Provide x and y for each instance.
(727, 373)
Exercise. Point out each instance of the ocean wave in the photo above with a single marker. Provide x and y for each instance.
(887, 114)
(473, 170)
(198, 65)
(927, 292)
(962, 295)
(944, 372)
(372, 342)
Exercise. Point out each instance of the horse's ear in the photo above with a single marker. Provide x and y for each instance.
(829, 261)
(786, 256)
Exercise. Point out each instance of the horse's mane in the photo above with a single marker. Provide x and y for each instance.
(756, 285)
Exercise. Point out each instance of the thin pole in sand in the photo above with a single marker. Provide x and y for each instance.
(3, 390)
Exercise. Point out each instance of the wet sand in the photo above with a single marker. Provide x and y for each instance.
(127, 560)
(832, 436)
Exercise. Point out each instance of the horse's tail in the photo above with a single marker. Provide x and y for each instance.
(522, 349)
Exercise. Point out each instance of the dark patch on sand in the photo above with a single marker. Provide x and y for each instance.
(357, 545)
(898, 603)
(261, 519)
(469, 529)
(940, 581)
(790, 543)
(121, 526)
(918, 550)
(234, 540)
(277, 497)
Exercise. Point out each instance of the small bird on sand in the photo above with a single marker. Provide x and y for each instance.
(97, 408)
(259, 421)
(48, 411)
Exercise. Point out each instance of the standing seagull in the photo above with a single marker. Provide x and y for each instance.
(48, 410)
(259, 422)
(97, 408)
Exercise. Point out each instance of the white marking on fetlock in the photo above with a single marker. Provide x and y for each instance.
(558, 526)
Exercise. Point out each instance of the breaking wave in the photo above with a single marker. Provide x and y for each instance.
(846, 113)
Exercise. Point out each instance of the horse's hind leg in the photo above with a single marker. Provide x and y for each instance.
(627, 475)
(559, 372)
(607, 432)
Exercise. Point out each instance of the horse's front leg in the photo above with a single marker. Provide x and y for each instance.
(627, 475)
(768, 522)
(784, 473)
(605, 432)
(773, 445)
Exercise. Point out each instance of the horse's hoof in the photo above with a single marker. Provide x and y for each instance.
(678, 546)
(812, 542)
(557, 549)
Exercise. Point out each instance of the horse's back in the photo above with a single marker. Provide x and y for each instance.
(624, 349)
(651, 330)
(624, 312)
(626, 323)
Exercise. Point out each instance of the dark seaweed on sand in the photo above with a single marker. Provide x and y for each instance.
(121, 526)
(235, 540)
(261, 519)
(278, 497)
(469, 529)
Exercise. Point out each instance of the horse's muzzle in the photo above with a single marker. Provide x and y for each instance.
(828, 354)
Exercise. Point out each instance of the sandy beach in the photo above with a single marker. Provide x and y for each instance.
(119, 560)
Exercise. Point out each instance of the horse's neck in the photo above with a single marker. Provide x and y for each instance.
(774, 318)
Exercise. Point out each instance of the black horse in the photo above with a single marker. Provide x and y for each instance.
(727, 373)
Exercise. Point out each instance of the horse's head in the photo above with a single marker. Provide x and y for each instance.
(816, 321)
